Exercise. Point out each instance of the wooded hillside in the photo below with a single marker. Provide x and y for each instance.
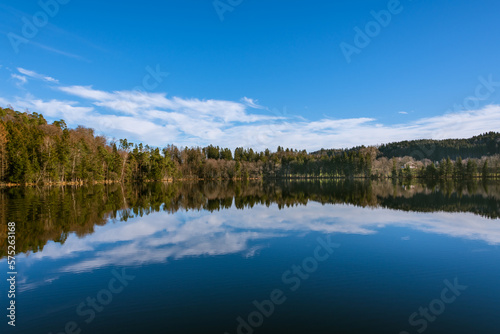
(34, 151)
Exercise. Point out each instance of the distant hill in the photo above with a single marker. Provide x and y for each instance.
(476, 147)
(486, 144)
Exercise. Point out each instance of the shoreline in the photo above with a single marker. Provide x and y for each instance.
(291, 178)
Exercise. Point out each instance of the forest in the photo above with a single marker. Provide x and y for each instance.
(32, 151)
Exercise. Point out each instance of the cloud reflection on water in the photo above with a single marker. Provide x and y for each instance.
(160, 237)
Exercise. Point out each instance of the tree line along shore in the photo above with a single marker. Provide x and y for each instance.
(32, 151)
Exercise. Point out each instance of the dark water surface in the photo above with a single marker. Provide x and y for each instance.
(299, 257)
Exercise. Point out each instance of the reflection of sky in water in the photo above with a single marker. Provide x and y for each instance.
(161, 237)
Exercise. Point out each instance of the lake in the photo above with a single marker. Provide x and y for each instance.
(254, 257)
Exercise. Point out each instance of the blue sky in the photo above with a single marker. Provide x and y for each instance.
(266, 74)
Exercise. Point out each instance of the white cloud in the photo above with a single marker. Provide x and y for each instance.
(35, 75)
(403, 113)
(252, 103)
(67, 110)
(159, 120)
(227, 123)
(21, 80)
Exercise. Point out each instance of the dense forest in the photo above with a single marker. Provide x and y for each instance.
(487, 144)
(32, 151)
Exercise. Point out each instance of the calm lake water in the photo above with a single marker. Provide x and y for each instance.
(297, 257)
